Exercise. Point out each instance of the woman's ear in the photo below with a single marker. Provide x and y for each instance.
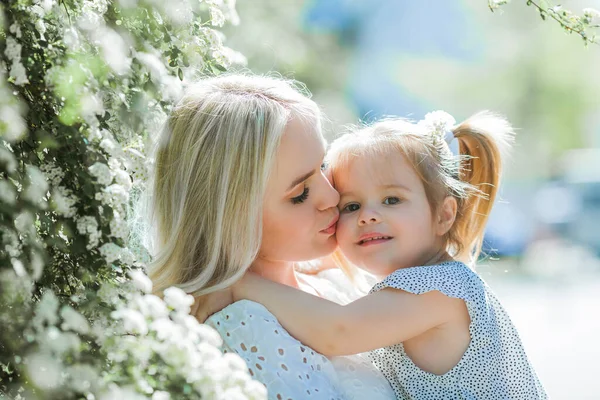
(446, 215)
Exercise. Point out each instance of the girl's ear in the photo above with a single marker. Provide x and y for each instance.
(446, 215)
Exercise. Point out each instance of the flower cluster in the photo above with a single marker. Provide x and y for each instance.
(84, 85)
(584, 25)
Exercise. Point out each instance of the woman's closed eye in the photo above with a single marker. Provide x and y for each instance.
(350, 207)
(303, 196)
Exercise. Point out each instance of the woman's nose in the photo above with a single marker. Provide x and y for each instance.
(330, 196)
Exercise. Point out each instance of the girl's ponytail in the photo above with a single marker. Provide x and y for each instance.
(482, 140)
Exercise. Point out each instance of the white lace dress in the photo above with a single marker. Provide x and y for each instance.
(289, 369)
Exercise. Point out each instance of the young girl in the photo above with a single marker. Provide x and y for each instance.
(414, 214)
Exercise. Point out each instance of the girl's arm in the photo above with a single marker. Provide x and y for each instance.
(387, 317)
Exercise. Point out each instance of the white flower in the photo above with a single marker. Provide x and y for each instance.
(53, 173)
(71, 38)
(110, 146)
(591, 13)
(82, 377)
(122, 178)
(47, 308)
(64, 201)
(90, 105)
(18, 267)
(101, 172)
(140, 280)
(47, 5)
(58, 342)
(212, 38)
(7, 157)
(24, 222)
(44, 371)
(255, 390)
(121, 393)
(203, 331)
(41, 27)
(133, 321)
(11, 242)
(178, 299)
(127, 257)
(134, 158)
(217, 18)
(160, 395)
(12, 126)
(13, 49)
(438, 122)
(88, 225)
(118, 227)
(37, 186)
(114, 50)
(172, 87)
(108, 293)
(8, 194)
(118, 193)
(110, 251)
(15, 29)
(154, 65)
(37, 265)
(74, 321)
(17, 71)
(151, 306)
(164, 328)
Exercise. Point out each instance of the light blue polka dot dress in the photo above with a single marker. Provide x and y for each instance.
(494, 365)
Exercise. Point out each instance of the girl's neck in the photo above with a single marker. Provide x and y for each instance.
(277, 271)
(438, 257)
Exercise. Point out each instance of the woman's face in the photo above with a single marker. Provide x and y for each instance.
(300, 208)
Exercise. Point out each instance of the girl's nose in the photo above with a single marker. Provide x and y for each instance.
(368, 217)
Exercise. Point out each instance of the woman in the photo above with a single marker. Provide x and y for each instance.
(239, 185)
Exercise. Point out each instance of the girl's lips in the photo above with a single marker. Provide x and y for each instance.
(373, 242)
(373, 238)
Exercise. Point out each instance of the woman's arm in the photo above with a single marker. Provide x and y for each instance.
(381, 319)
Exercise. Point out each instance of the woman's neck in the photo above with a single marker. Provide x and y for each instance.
(277, 271)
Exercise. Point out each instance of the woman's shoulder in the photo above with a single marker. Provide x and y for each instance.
(285, 366)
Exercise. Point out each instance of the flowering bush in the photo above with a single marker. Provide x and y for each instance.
(585, 25)
(83, 84)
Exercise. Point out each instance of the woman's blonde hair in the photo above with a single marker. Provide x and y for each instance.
(471, 177)
(212, 162)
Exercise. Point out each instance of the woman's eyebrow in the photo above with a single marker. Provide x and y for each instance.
(301, 179)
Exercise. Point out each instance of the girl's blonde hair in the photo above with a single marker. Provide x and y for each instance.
(212, 163)
(471, 177)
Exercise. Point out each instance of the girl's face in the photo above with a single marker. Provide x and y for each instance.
(385, 221)
(299, 212)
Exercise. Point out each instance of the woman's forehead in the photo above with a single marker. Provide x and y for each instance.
(302, 148)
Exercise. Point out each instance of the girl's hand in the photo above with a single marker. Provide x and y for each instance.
(207, 305)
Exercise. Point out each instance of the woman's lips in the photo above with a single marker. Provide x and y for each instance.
(330, 230)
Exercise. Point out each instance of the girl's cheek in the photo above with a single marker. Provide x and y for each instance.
(342, 231)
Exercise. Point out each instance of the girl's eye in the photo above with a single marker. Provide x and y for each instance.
(391, 200)
(301, 198)
(350, 208)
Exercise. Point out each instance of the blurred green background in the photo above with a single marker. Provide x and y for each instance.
(363, 59)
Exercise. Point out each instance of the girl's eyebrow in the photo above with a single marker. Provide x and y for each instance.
(395, 186)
